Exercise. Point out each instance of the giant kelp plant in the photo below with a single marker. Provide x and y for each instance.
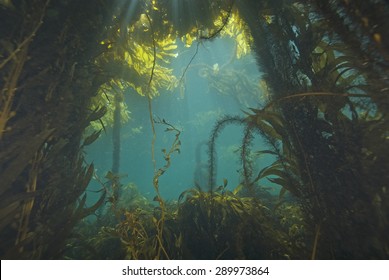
(65, 66)
(326, 63)
(47, 80)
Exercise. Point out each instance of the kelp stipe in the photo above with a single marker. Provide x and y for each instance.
(212, 145)
(116, 128)
(246, 160)
(252, 124)
(200, 175)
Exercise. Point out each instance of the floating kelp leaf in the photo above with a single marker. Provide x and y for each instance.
(219, 189)
(91, 138)
(237, 189)
(98, 113)
(269, 170)
(238, 209)
(268, 129)
(88, 177)
(94, 207)
(184, 193)
(270, 152)
(279, 181)
(112, 176)
(268, 122)
(103, 126)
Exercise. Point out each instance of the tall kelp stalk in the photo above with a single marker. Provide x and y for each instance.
(115, 182)
(200, 176)
(47, 79)
(116, 133)
(326, 64)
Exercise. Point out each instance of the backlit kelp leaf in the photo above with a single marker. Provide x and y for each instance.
(219, 189)
(271, 117)
(235, 28)
(188, 38)
(237, 189)
(236, 208)
(277, 123)
(164, 50)
(168, 48)
(268, 129)
(268, 122)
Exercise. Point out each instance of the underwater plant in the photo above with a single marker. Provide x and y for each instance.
(43, 173)
(64, 66)
(323, 84)
(205, 219)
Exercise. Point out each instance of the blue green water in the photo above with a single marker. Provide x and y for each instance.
(194, 111)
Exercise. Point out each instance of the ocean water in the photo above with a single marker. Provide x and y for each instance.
(267, 138)
(194, 111)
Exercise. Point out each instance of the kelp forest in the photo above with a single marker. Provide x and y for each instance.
(87, 78)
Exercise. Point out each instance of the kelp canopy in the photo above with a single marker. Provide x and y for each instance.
(65, 64)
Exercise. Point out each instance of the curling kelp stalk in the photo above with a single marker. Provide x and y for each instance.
(212, 150)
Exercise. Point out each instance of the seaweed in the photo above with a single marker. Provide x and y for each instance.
(212, 146)
(42, 167)
(325, 77)
(325, 125)
(205, 220)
